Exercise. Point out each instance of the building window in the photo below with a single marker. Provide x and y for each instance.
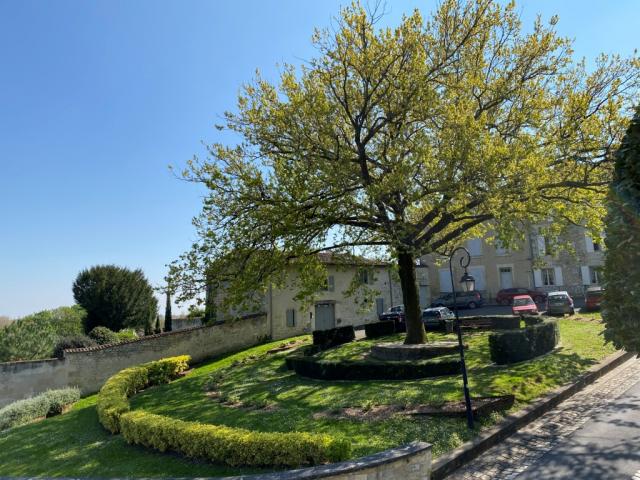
(595, 274)
(501, 250)
(291, 317)
(329, 284)
(475, 247)
(548, 277)
(597, 247)
(364, 277)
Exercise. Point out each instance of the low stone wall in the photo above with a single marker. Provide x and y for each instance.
(88, 368)
(411, 462)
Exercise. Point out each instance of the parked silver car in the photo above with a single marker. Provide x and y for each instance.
(559, 303)
(436, 317)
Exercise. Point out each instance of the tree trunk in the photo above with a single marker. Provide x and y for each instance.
(413, 316)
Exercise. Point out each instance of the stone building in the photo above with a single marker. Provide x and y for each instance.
(536, 264)
(333, 306)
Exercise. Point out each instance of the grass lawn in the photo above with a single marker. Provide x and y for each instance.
(260, 394)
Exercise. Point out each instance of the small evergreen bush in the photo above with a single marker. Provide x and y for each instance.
(49, 403)
(103, 336)
(126, 335)
(76, 341)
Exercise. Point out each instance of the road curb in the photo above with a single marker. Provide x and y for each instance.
(453, 460)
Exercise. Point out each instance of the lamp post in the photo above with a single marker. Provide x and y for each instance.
(468, 284)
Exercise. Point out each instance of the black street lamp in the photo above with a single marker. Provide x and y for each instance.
(468, 284)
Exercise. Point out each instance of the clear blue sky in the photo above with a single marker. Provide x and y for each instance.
(97, 98)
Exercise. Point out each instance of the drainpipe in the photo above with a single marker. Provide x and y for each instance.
(271, 310)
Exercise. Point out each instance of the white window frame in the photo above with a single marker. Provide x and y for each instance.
(548, 277)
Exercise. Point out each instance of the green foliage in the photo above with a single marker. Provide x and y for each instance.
(405, 141)
(74, 341)
(66, 446)
(195, 312)
(49, 403)
(127, 334)
(511, 346)
(232, 446)
(333, 336)
(370, 369)
(113, 398)
(621, 305)
(103, 336)
(35, 336)
(379, 329)
(157, 328)
(115, 297)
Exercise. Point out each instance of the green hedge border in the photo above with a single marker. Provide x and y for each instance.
(219, 444)
(312, 367)
(511, 346)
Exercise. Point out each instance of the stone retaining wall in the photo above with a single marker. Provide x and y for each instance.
(88, 368)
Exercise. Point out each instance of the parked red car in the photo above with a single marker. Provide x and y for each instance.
(506, 296)
(524, 305)
(594, 298)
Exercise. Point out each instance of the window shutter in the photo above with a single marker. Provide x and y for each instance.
(558, 275)
(291, 317)
(588, 243)
(542, 250)
(537, 277)
(330, 283)
(445, 279)
(586, 275)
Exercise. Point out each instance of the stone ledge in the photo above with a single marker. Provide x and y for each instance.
(453, 460)
(400, 351)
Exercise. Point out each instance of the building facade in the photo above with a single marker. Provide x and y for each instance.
(535, 264)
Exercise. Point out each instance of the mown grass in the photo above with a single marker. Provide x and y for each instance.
(262, 395)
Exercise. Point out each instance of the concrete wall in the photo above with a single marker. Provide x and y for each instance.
(88, 368)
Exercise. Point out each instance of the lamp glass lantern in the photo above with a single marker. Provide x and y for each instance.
(468, 282)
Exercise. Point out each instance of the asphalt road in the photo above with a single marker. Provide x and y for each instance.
(606, 447)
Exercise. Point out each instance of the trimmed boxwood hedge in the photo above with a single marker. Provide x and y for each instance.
(511, 346)
(334, 336)
(113, 398)
(371, 369)
(380, 329)
(229, 445)
(232, 446)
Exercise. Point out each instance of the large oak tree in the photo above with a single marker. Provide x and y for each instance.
(407, 140)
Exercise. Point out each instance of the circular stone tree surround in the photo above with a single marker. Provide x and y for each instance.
(400, 351)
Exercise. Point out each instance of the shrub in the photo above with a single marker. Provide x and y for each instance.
(77, 341)
(379, 329)
(115, 297)
(126, 335)
(512, 346)
(113, 398)
(620, 307)
(49, 403)
(35, 336)
(103, 336)
(333, 337)
(231, 446)
(370, 369)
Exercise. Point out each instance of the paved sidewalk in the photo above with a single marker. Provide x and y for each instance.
(509, 459)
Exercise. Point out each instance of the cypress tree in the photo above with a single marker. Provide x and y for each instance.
(157, 329)
(167, 312)
(621, 306)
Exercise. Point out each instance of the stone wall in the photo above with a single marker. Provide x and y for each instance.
(88, 368)
(411, 462)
